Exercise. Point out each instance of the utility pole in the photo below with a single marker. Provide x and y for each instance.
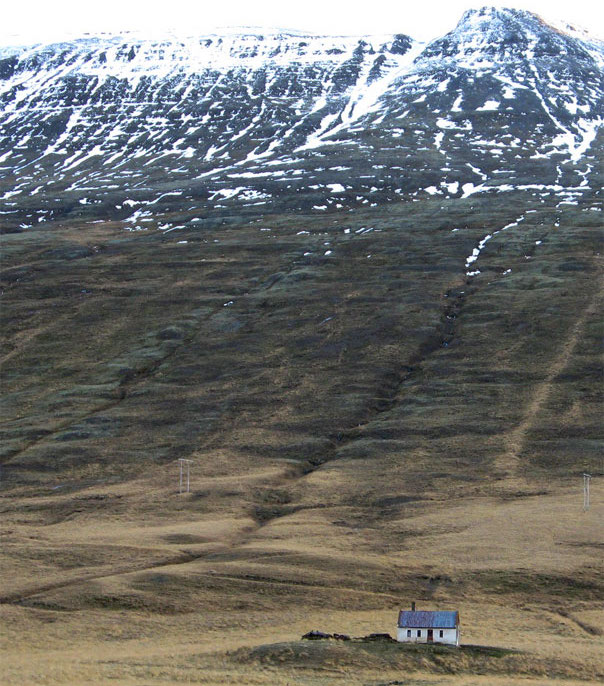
(184, 463)
(586, 479)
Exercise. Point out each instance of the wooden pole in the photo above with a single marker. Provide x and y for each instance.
(182, 462)
(586, 479)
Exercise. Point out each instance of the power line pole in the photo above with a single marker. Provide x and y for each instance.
(586, 479)
(184, 463)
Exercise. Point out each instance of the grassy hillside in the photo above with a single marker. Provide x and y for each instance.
(368, 426)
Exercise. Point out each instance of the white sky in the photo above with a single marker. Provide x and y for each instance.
(42, 20)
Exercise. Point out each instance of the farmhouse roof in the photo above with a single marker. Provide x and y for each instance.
(428, 619)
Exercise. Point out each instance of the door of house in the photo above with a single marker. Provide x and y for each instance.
(430, 635)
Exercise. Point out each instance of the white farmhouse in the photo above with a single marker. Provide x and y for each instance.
(427, 626)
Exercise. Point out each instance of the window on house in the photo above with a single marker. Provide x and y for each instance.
(419, 632)
(408, 633)
(441, 633)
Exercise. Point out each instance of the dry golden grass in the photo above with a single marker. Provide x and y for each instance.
(346, 461)
(188, 591)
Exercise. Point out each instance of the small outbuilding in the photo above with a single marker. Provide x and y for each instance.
(428, 626)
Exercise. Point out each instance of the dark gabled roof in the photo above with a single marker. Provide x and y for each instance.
(427, 619)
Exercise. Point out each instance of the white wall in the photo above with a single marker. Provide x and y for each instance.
(450, 636)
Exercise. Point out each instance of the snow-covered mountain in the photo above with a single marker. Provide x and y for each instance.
(105, 125)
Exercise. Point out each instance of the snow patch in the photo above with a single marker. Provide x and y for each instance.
(489, 106)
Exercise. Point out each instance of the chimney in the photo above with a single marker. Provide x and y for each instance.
(413, 606)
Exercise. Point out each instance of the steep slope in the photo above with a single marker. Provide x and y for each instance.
(85, 119)
(107, 121)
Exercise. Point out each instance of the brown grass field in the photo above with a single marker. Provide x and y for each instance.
(364, 433)
(170, 595)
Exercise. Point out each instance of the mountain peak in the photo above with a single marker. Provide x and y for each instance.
(500, 20)
(504, 34)
(490, 13)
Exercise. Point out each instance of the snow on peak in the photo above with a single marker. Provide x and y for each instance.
(229, 105)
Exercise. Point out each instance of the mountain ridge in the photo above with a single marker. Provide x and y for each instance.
(257, 103)
(174, 33)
